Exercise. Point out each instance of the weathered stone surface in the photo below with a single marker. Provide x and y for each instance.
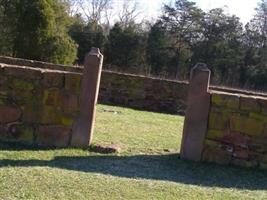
(42, 114)
(217, 155)
(19, 84)
(83, 128)
(73, 82)
(225, 100)
(196, 119)
(21, 132)
(263, 166)
(248, 126)
(241, 153)
(3, 80)
(215, 134)
(54, 136)
(70, 103)
(31, 112)
(52, 97)
(23, 72)
(263, 158)
(237, 140)
(249, 104)
(53, 79)
(263, 103)
(106, 149)
(218, 120)
(67, 120)
(212, 143)
(258, 144)
(143, 92)
(258, 116)
(265, 130)
(3, 131)
(50, 115)
(9, 114)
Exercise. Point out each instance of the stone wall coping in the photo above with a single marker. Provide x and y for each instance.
(79, 69)
(3, 66)
(255, 96)
(39, 64)
(146, 77)
(237, 91)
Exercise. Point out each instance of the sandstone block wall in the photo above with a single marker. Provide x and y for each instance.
(141, 92)
(237, 130)
(38, 106)
(39, 102)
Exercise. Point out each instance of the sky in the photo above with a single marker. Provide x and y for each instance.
(244, 9)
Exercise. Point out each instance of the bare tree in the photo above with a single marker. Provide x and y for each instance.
(129, 13)
(95, 10)
(73, 6)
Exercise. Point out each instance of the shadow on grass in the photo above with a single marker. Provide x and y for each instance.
(156, 167)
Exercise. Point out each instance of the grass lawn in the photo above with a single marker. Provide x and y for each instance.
(148, 167)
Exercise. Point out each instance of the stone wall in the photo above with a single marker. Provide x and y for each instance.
(224, 127)
(38, 106)
(237, 130)
(135, 91)
(151, 94)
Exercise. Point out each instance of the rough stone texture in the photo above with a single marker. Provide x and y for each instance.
(216, 155)
(32, 98)
(53, 79)
(249, 104)
(240, 122)
(9, 114)
(106, 149)
(25, 72)
(231, 102)
(54, 136)
(236, 128)
(73, 82)
(246, 125)
(21, 132)
(196, 119)
(144, 93)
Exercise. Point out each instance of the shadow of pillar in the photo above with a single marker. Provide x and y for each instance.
(83, 128)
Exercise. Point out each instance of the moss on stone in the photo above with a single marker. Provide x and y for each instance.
(211, 143)
(73, 83)
(52, 97)
(50, 115)
(15, 83)
(218, 120)
(224, 100)
(215, 134)
(67, 121)
(247, 125)
(250, 104)
(26, 133)
(258, 116)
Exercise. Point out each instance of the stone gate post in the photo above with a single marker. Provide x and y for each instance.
(83, 129)
(196, 119)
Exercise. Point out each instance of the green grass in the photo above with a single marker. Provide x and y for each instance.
(148, 167)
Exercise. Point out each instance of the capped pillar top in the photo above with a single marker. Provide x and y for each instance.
(95, 52)
(199, 67)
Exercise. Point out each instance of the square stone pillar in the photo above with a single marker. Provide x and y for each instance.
(197, 113)
(84, 126)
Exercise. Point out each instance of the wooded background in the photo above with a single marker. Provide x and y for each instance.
(63, 31)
